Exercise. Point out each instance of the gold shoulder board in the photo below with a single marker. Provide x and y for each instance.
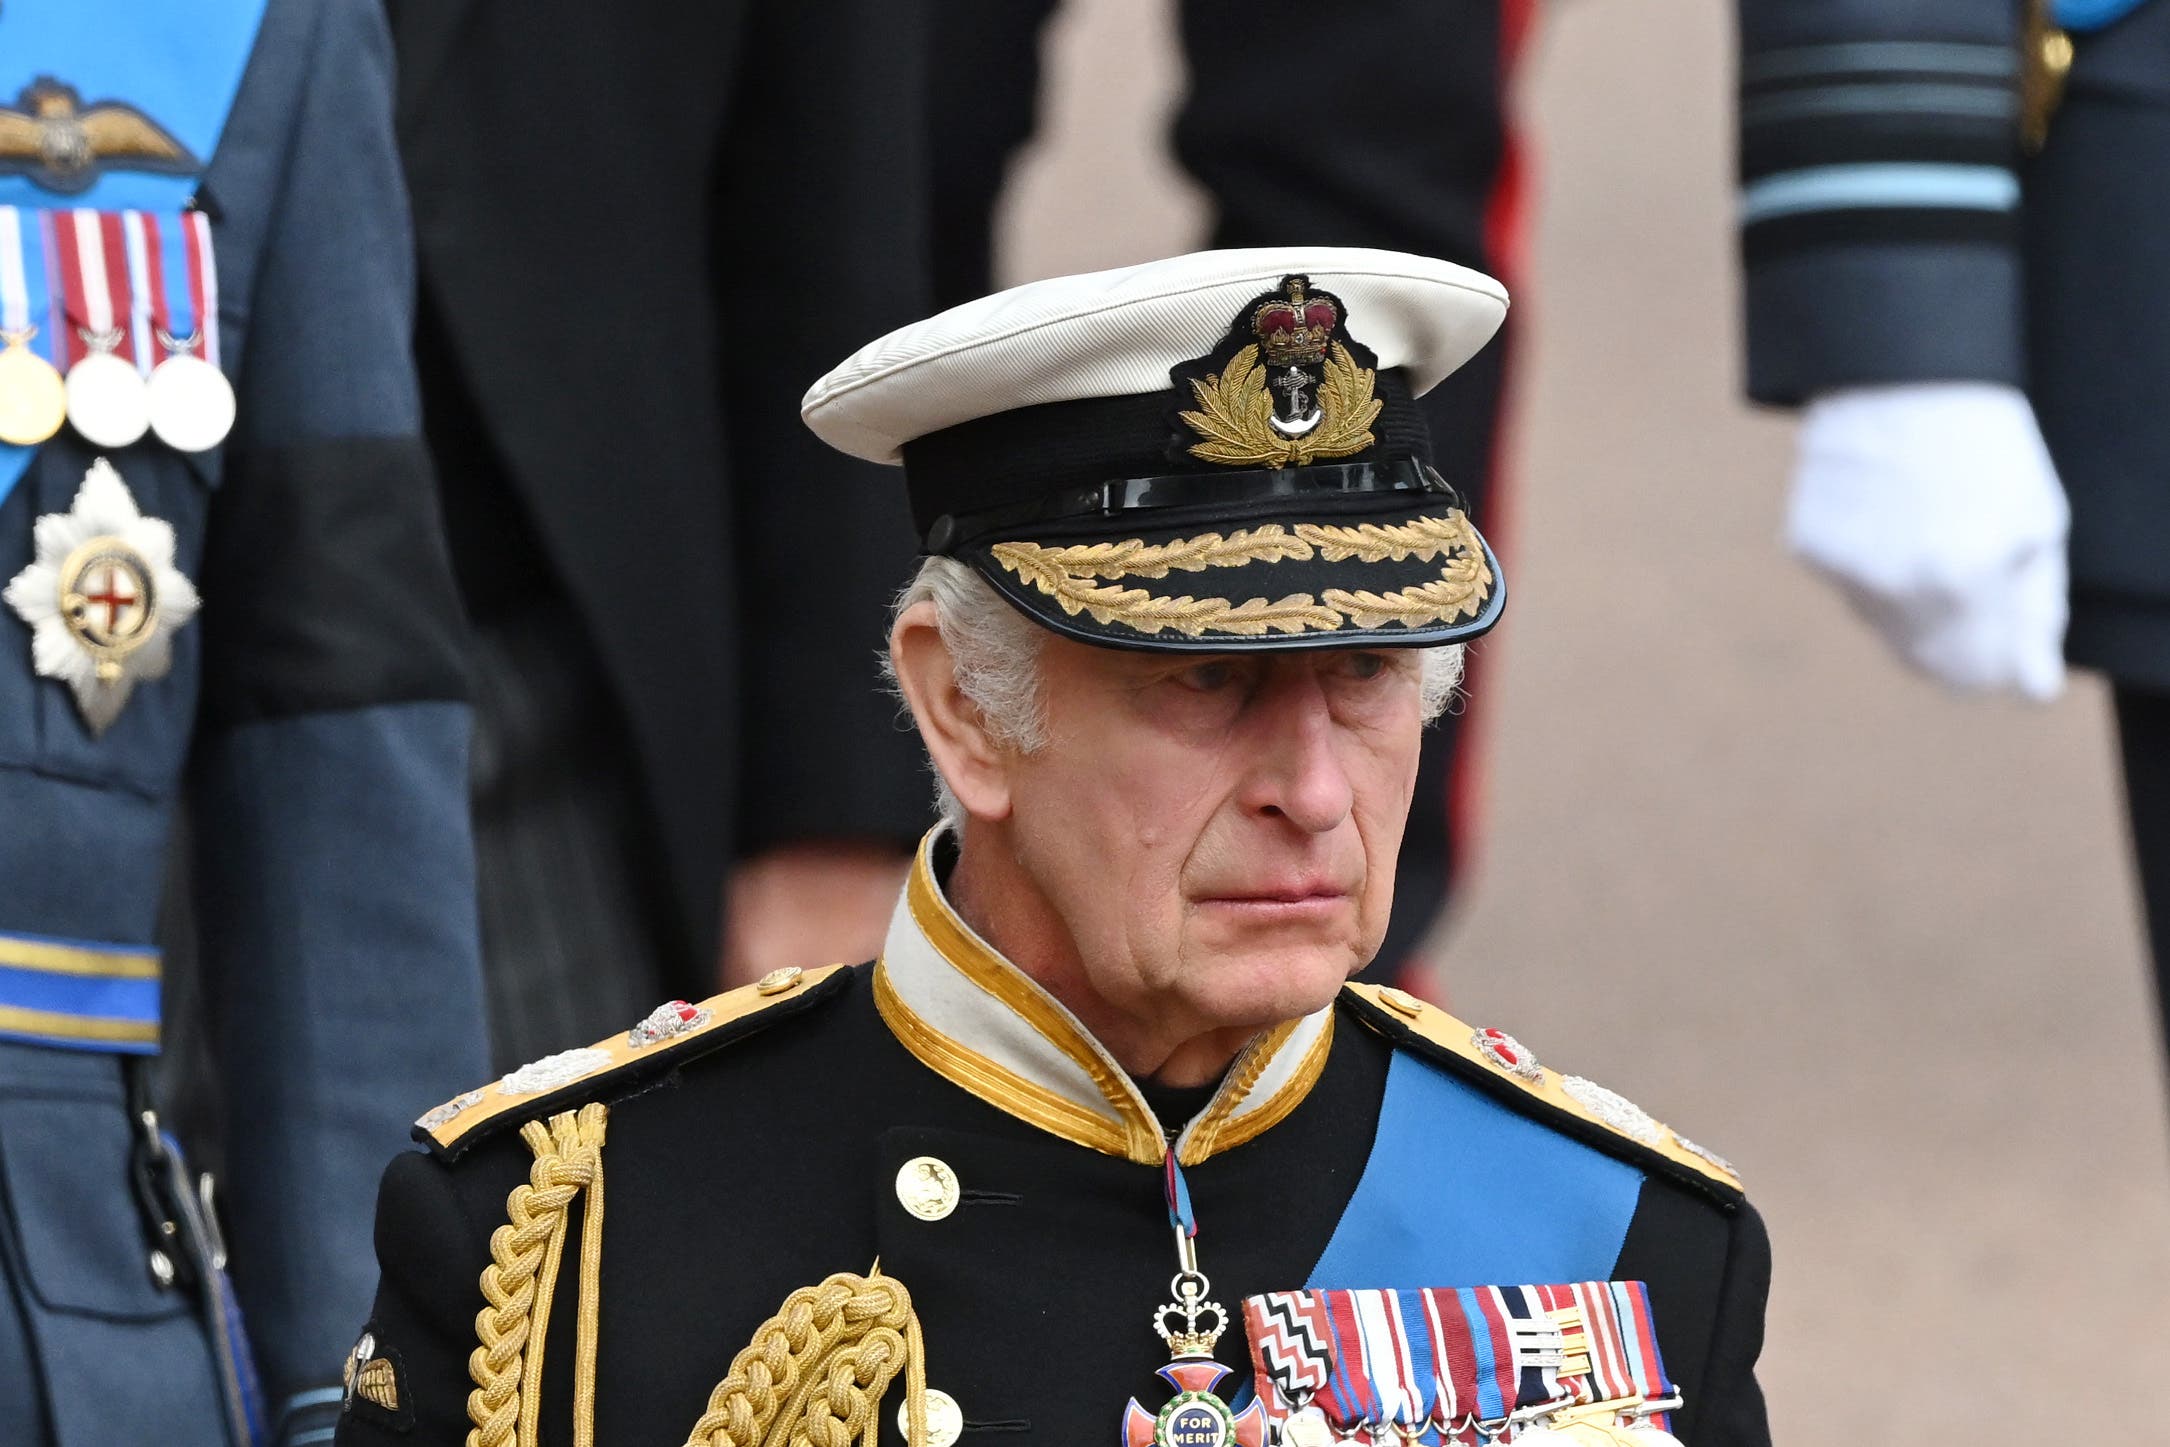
(663, 1041)
(1500, 1056)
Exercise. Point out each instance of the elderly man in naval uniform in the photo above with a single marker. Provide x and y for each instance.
(1103, 1144)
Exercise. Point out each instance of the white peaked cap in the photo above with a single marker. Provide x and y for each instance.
(1117, 333)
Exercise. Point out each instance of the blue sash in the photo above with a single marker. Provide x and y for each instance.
(2092, 14)
(1462, 1191)
(179, 64)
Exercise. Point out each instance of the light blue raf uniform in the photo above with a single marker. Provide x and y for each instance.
(223, 578)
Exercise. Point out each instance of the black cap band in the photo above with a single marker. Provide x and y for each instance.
(952, 531)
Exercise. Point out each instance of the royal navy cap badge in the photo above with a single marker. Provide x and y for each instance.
(102, 597)
(1287, 390)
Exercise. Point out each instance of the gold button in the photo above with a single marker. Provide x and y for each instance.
(927, 1188)
(1401, 1002)
(945, 1421)
(775, 982)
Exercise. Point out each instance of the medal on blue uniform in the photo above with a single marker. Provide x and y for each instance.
(33, 399)
(108, 403)
(192, 403)
(1191, 1325)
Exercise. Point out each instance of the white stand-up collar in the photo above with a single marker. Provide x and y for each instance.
(979, 1021)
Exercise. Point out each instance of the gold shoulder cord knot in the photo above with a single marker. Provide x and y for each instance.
(521, 1280)
(814, 1374)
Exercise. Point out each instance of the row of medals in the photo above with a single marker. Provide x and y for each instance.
(187, 402)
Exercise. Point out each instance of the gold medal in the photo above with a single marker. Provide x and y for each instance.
(33, 398)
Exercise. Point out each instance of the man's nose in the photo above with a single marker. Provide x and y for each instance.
(1297, 771)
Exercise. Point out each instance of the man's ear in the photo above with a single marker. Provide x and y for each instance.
(966, 755)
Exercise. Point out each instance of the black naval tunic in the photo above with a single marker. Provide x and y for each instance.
(760, 1152)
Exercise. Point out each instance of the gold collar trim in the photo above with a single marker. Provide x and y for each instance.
(939, 984)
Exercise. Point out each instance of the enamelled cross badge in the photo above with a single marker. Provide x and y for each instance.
(102, 597)
(1191, 1325)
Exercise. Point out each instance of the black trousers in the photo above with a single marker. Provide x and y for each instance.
(2143, 733)
(1411, 155)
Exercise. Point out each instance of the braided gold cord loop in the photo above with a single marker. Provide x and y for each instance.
(815, 1372)
(520, 1283)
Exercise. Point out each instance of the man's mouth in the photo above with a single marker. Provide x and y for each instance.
(1292, 898)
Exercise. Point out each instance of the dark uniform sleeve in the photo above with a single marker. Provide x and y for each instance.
(1729, 1412)
(1879, 195)
(822, 219)
(433, 1254)
(334, 872)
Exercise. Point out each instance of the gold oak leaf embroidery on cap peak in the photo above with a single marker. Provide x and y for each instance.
(1080, 578)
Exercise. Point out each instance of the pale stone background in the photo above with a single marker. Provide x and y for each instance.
(1876, 944)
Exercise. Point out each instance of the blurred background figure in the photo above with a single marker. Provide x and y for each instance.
(1382, 125)
(644, 229)
(224, 580)
(1943, 310)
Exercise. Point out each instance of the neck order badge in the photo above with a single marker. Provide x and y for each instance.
(1195, 1416)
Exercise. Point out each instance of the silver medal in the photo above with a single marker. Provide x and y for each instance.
(108, 402)
(1307, 1428)
(192, 403)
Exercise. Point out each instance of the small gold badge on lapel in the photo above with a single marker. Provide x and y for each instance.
(102, 597)
(64, 145)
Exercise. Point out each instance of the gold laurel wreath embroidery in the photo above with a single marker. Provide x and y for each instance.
(1460, 589)
(1080, 578)
(1235, 416)
(1136, 559)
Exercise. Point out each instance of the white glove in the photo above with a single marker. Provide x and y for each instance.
(1935, 506)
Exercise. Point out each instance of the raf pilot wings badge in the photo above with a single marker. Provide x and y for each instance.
(63, 145)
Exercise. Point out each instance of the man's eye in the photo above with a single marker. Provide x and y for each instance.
(1209, 677)
(1367, 665)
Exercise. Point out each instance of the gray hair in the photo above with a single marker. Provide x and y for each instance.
(996, 652)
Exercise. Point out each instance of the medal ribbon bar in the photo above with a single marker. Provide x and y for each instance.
(1470, 1365)
(22, 280)
(129, 278)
